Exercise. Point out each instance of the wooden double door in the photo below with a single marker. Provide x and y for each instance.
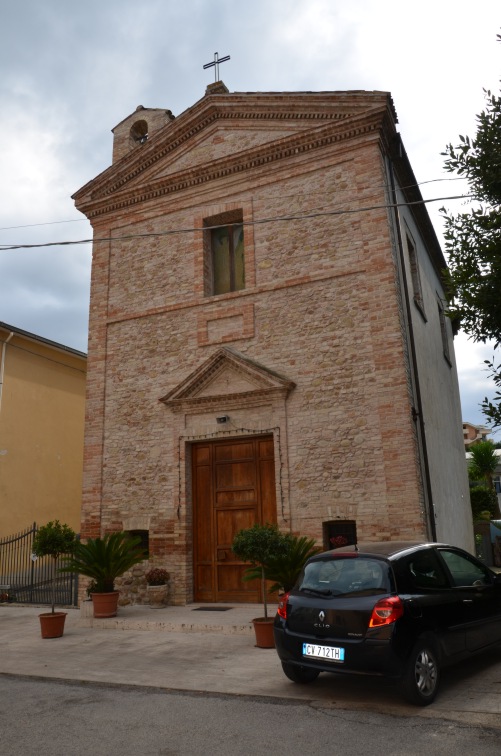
(233, 488)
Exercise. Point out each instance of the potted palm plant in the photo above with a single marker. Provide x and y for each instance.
(104, 560)
(258, 545)
(53, 539)
(284, 568)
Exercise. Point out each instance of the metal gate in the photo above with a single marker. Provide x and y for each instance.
(31, 580)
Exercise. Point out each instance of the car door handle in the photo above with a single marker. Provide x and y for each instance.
(467, 601)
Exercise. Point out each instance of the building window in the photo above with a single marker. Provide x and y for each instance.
(417, 292)
(139, 132)
(224, 253)
(443, 331)
(338, 533)
(145, 540)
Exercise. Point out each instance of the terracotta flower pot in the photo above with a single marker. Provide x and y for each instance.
(105, 604)
(52, 624)
(263, 628)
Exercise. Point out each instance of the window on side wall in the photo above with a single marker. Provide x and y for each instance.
(417, 292)
(224, 253)
(443, 331)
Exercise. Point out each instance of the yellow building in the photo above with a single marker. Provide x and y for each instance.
(42, 408)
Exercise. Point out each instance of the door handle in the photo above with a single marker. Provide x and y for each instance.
(467, 601)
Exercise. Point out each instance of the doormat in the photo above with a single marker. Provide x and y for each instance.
(212, 609)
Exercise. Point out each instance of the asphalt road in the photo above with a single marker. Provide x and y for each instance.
(39, 718)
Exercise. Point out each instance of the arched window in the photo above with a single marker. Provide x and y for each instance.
(139, 132)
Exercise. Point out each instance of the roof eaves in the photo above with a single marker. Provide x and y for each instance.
(41, 340)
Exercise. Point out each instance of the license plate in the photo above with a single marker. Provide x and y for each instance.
(329, 653)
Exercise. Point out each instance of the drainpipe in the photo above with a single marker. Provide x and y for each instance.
(417, 412)
(2, 363)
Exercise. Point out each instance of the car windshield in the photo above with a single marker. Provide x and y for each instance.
(345, 577)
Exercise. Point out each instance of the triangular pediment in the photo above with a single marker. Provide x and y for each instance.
(229, 133)
(216, 144)
(227, 375)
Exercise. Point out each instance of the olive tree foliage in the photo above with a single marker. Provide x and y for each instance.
(473, 239)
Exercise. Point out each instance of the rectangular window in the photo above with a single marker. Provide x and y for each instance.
(227, 245)
(144, 544)
(338, 533)
(443, 332)
(415, 277)
(224, 252)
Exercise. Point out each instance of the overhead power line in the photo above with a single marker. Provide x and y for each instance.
(322, 192)
(46, 223)
(278, 219)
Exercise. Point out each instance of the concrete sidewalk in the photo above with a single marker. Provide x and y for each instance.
(199, 648)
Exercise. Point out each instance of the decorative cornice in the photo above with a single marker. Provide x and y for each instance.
(176, 140)
(182, 130)
(187, 393)
(286, 147)
(229, 401)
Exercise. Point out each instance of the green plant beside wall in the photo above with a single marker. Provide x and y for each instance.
(54, 540)
(483, 499)
(258, 545)
(284, 569)
(105, 559)
(482, 465)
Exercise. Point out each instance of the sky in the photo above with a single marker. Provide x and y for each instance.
(70, 71)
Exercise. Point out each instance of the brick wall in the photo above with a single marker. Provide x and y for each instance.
(321, 308)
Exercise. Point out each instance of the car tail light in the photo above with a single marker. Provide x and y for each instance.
(283, 606)
(386, 611)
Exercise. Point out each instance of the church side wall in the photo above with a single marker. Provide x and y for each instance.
(439, 389)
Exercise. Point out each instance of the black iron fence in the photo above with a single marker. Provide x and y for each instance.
(27, 579)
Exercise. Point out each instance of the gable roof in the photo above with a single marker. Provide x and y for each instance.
(298, 122)
(314, 119)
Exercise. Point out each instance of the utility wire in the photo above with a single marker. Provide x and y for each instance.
(47, 223)
(279, 219)
(323, 193)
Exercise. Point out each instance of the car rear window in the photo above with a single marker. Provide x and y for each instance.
(345, 577)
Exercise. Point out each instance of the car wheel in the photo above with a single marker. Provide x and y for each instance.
(299, 674)
(422, 675)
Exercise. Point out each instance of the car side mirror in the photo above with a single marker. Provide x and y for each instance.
(497, 578)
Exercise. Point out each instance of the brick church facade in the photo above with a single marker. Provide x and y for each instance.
(267, 336)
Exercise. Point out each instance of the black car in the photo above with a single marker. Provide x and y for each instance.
(400, 610)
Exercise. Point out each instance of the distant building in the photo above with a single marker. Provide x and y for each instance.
(42, 409)
(268, 339)
(472, 434)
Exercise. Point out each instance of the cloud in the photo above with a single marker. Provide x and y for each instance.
(71, 71)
